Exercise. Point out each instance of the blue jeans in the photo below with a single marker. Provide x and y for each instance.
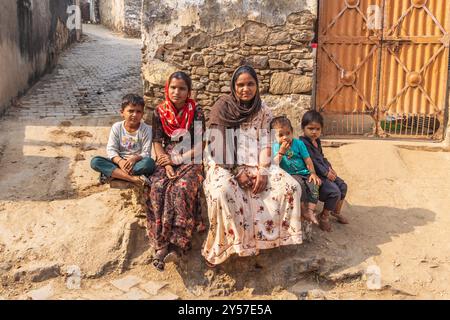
(104, 165)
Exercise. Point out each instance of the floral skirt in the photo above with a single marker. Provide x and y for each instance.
(243, 223)
(173, 207)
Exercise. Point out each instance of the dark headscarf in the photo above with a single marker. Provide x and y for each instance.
(229, 111)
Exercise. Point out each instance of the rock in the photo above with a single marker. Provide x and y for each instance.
(43, 293)
(202, 71)
(303, 36)
(278, 38)
(316, 294)
(166, 296)
(157, 72)
(225, 89)
(213, 87)
(5, 266)
(199, 41)
(254, 33)
(38, 272)
(278, 64)
(301, 18)
(135, 294)
(233, 60)
(126, 283)
(259, 62)
(212, 60)
(153, 287)
(197, 85)
(196, 59)
(285, 83)
(293, 106)
(224, 76)
(214, 76)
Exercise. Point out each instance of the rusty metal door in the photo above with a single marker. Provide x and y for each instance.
(382, 67)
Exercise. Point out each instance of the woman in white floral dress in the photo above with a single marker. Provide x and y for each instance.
(251, 204)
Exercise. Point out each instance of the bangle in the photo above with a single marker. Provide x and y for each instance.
(283, 154)
(263, 171)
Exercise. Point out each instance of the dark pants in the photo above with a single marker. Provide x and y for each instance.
(331, 192)
(104, 165)
(310, 191)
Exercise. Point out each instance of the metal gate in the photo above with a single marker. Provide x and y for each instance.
(383, 67)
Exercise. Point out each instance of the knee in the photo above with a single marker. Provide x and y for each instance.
(149, 164)
(146, 166)
(95, 163)
(343, 189)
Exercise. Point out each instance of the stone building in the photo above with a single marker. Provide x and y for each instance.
(209, 39)
(121, 15)
(32, 36)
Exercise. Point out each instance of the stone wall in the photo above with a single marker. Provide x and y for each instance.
(112, 14)
(122, 16)
(208, 40)
(32, 35)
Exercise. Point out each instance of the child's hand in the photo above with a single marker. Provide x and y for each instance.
(334, 172)
(129, 163)
(170, 173)
(285, 146)
(315, 179)
(331, 176)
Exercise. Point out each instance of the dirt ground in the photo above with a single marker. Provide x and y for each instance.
(53, 215)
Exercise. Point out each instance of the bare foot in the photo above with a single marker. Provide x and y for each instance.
(310, 216)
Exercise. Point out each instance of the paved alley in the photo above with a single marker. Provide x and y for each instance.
(89, 79)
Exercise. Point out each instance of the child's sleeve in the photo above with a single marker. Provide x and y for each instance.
(146, 142)
(112, 148)
(303, 150)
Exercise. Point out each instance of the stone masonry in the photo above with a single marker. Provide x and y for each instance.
(280, 53)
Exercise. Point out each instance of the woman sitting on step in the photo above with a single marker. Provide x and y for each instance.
(172, 200)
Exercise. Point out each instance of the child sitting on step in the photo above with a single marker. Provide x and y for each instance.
(129, 146)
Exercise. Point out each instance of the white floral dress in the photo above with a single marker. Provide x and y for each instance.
(241, 222)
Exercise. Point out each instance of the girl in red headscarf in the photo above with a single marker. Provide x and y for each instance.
(173, 208)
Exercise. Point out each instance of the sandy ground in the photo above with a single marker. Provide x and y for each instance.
(53, 214)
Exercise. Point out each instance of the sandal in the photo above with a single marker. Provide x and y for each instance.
(103, 179)
(324, 222)
(158, 264)
(158, 259)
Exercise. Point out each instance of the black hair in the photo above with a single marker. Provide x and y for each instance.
(180, 75)
(281, 121)
(312, 116)
(242, 70)
(133, 99)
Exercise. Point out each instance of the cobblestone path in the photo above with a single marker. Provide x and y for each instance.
(88, 81)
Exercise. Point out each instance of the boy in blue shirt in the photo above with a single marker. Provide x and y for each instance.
(293, 157)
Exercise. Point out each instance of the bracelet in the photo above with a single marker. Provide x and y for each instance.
(283, 154)
(263, 171)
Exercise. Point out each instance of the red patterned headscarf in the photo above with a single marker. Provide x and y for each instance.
(176, 122)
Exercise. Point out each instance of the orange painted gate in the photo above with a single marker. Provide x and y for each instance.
(382, 67)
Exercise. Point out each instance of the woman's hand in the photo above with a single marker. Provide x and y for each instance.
(244, 181)
(170, 173)
(260, 183)
(164, 160)
(315, 179)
